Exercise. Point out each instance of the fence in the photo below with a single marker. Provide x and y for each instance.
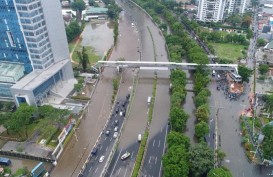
(25, 156)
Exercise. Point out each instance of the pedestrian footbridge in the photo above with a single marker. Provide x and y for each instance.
(163, 65)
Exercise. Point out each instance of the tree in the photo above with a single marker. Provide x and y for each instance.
(201, 98)
(175, 162)
(234, 20)
(176, 139)
(269, 102)
(247, 20)
(83, 59)
(263, 68)
(201, 130)
(46, 111)
(261, 42)
(78, 6)
(21, 118)
(202, 113)
(267, 144)
(220, 156)
(265, 57)
(72, 30)
(244, 72)
(78, 87)
(201, 159)
(222, 172)
(178, 119)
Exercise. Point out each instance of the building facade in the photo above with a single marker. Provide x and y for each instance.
(211, 10)
(217, 10)
(33, 36)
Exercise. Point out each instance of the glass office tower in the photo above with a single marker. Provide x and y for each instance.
(32, 35)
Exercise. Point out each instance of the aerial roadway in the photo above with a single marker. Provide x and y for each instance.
(137, 119)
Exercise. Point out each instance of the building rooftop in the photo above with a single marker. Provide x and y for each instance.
(10, 70)
(36, 78)
(96, 10)
(266, 29)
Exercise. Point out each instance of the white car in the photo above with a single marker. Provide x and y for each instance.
(115, 135)
(101, 158)
(115, 129)
(125, 156)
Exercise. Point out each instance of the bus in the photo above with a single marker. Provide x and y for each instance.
(4, 161)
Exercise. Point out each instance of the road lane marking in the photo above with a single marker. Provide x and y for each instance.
(150, 159)
(106, 148)
(90, 169)
(161, 129)
(132, 155)
(116, 163)
(159, 143)
(105, 138)
(96, 157)
(100, 147)
(155, 160)
(154, 143)
(96, 170)
(119, 170)
(111, 139)
(125, 172)
(164, 144)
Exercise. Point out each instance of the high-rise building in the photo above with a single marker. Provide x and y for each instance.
(34, 55)
(211, 10)
(217, 10)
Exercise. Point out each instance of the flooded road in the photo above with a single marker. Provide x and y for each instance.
(98, 35)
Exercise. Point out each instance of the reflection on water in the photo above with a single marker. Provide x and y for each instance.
(98, 35)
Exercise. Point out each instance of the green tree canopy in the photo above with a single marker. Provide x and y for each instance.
(78, 6)
(244, 72)
(261, 42)
(177, 139)
(178, 119)
(267, 144)
(202, 113)
(201, 159)
(263, 68)
(83, 59)
(221, 172)
(201, 130)
(175, 162)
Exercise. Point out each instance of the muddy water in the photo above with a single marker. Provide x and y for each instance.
(98, 35)
(189, 106)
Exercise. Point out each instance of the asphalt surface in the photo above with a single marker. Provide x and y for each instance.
(137, 120)
(106, 142)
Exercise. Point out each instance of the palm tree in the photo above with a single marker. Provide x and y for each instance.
(83, 59)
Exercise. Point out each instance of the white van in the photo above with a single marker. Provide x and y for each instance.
(139, 137)
(149, 100)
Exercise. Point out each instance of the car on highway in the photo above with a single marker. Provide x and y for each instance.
(115, 129)
(101, 158)
(115, 135)
(116, 122)
(125, 156)
(94, 151)
(107, 133)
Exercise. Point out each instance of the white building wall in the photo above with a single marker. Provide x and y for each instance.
(56, 30)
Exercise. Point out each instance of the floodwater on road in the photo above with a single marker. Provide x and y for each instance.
(98, 35)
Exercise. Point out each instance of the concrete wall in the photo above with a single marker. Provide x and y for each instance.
(56, 30)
